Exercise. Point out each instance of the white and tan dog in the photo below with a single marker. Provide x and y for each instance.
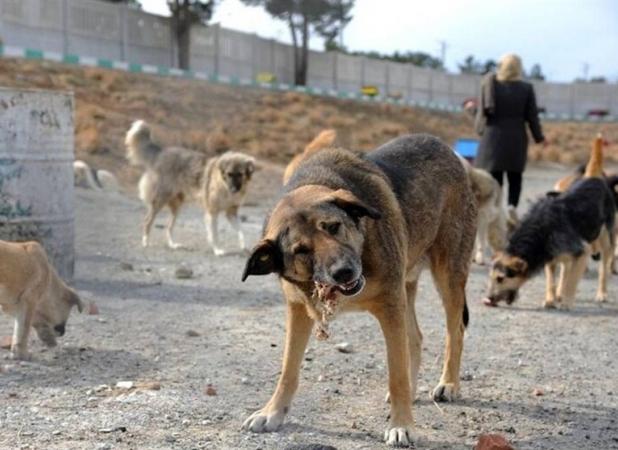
(492, 228)
(174, 175)
(89, 178)
(32, 292)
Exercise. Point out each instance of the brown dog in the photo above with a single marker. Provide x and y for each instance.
(175, 175)
(32, 292)
(352, 233)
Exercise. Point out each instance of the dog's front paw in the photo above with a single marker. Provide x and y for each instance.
(479, 259)
(399, 435)
(22, 355)
(264, 421)
(601, 297)
(144, 241)
(218, 251)
(445, 392)
(550, 304)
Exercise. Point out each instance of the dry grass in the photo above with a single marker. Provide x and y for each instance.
(272, 126)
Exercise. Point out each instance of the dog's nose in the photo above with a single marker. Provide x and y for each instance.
(59, 329)
(343, 275)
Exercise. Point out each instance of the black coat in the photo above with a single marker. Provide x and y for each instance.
(504, 142)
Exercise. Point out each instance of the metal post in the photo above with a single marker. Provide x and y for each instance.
(122, 16)
(65, 27)
(335, 71)
(216, 28)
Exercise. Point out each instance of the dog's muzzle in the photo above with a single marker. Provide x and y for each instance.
(509, 296)
(349, 289)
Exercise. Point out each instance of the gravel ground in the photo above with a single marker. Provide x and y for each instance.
(203, 353)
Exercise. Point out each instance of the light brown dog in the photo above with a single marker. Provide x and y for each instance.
(325, 139)
(352, 233)
(175, 175)
(32, 292)
(493, 224)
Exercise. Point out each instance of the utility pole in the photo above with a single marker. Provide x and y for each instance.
(585, 68)
(443, 47)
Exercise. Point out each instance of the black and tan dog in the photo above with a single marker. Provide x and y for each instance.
(352, 233)
(561, 229)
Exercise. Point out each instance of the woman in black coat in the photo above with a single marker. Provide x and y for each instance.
(506, 105)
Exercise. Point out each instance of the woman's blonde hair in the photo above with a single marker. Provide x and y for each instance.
(509, 68)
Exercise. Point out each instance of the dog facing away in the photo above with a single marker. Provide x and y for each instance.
(174, 175)
(560, 229)
(32, 292)
(325, 139)
(352, 233)
(492, 218)
(89, 178)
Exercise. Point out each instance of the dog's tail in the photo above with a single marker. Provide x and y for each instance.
(594, 168)
(325, 139)
(141, 150)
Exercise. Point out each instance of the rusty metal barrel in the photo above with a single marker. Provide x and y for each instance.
(36, 172)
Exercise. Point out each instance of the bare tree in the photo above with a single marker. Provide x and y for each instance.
(324, 17)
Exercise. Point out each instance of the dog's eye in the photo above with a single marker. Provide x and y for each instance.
(332, 228)
(301, 250)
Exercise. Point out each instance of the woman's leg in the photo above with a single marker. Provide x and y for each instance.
(514, 187)
(497, 174)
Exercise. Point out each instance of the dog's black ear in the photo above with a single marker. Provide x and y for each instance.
(265, 258)
(552, 194)
(354, 207)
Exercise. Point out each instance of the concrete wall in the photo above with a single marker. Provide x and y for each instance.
(103, 30)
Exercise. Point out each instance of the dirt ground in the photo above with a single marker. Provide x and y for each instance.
(213, 334)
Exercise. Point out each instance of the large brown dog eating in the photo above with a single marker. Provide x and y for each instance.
(352, 233)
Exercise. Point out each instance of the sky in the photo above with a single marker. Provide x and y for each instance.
(566, 37)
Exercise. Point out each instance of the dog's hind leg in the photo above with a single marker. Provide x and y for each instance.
(232, 218)
(174, 206)
(605, 264)
(298, 330)
(550, 286)
(574, 272)
(153, 210)
(481, 240)
(212, 232)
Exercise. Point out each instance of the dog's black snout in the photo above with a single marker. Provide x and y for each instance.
(60, 329)
(343, 275)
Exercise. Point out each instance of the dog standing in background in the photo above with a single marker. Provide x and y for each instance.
(493, 224)
(89, 178)
(562, 229)
(174, 175)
